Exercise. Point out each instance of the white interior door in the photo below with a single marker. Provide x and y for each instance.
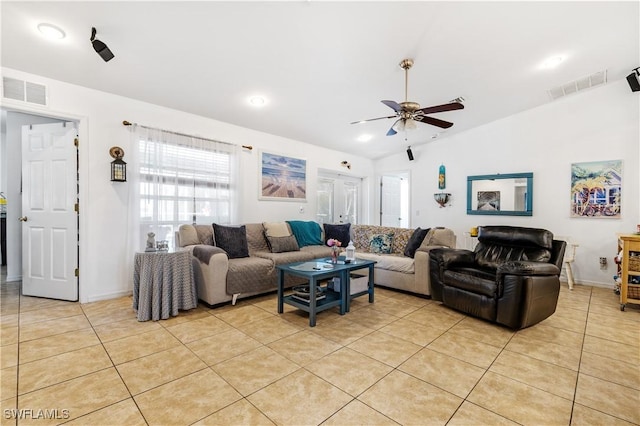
(390, 201)
(50, 222)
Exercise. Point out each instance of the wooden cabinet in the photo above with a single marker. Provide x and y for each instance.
(629, 245)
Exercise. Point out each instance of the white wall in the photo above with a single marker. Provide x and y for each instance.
(105, 263)
(599, 124)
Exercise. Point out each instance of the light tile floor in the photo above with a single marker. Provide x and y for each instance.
(402, 360)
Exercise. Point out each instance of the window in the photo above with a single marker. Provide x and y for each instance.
(183, 180)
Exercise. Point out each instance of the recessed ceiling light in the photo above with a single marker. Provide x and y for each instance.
(364, 138)
(551, 62)
(51, 32)
(257, 101)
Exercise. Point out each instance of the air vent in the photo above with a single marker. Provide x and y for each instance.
(24, 91)
(578, 85)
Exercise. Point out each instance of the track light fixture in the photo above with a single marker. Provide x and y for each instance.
(101, 48)
(632, 79)
(409, 153)
(346, 164)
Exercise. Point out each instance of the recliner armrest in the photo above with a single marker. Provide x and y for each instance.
(524, 268)
(447, 257)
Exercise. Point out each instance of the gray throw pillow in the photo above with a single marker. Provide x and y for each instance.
(283, 244)
(232, 239)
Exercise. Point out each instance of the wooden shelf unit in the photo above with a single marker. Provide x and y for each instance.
(629, 244)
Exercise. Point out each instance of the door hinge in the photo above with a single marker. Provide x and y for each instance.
(76, 207)
(77, 272)
(76, 141)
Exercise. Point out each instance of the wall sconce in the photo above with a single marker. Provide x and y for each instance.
(118, 167)
(346, 164)
(442, 198)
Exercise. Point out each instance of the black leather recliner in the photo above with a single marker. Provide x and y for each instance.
(512, 276)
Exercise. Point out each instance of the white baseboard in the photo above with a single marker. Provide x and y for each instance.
(105, 296)
(12, 278)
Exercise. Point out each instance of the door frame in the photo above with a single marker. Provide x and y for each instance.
(83, 174)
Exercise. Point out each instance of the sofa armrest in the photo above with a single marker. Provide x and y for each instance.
(204, 252)
(526, 268)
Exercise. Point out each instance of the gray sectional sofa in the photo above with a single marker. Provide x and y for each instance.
(221, 278)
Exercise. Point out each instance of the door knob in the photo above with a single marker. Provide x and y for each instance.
(23, 219)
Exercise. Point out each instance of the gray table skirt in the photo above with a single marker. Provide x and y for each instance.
(163, 284)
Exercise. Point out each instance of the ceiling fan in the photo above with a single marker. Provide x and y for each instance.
(407, 112)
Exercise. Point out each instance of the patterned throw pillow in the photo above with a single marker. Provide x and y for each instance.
(232, 239)
(381, 243)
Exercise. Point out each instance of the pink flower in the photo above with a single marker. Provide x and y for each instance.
(332, 242)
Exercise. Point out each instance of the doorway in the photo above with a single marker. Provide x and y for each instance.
(394, 200)
(12, 184)
(339, 198)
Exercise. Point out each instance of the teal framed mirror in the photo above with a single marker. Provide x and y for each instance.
(502, 194)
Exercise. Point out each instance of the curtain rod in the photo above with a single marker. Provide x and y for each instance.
(128, 123)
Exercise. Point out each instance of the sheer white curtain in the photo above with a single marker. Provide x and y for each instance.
(177, 179)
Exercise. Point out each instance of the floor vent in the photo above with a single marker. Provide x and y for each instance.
(575, 86)
(24, 91)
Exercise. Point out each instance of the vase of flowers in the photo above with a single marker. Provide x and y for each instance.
(335, 249)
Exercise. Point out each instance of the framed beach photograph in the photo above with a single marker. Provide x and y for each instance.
(282, 178)
(596, 189)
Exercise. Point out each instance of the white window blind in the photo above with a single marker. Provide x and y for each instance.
(182, 180)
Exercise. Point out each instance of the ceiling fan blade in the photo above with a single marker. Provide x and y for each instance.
(434, 122)
(392, 131)
(393, 105)
(441, 108)
(373, 119)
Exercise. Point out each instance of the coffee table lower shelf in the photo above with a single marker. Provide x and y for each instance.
(331, 300)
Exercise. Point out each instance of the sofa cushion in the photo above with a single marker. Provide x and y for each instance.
(415, 241)
(282, 244)
(307, 233)
(188, 235)
(276, 229)
(390, 262)
(232, 239)
(205, 234)
(340, 232)
(381, 243)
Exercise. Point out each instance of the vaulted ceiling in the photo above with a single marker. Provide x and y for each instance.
(321, 65)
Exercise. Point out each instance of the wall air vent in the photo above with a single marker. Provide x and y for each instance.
(24, 91)
(575, 86)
